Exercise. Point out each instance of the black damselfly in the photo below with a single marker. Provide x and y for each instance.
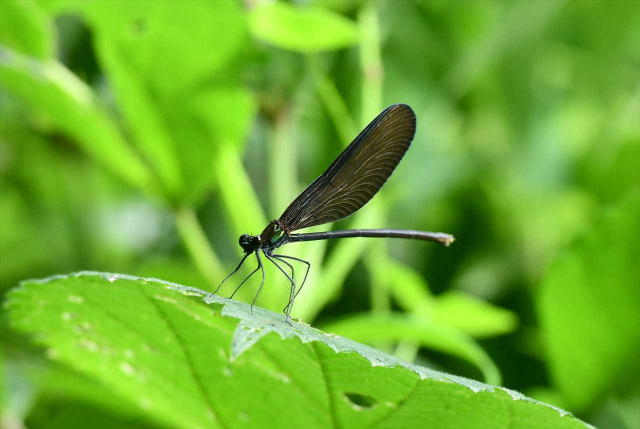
(347, 185)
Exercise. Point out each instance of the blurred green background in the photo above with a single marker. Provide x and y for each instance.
(144, 137)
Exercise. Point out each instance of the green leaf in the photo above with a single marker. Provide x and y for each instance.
(26, 29)
(149, 131)
(370, 328)
(473, 316)
(201, 124)
(64, 413)
(455, 309)
(174, 49)
(588, 306)
(52, 90)
(191, 365)
(304, 30)
(409, 289)
(176, 75)
(21, 250)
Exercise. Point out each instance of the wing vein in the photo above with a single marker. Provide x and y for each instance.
(357, 174)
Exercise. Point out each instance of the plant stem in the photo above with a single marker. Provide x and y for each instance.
(372, 76)
(282, 161)
(197, 245)
(333, 101)
(348, 252)
(232, 182)
(370, 61)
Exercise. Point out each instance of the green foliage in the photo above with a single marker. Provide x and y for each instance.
(143, 338)
(26, 28)
(172, 107)
(304, 30)
(144, 138)
(596, 283)
(454, 308)
(51, 90)
(368, 328)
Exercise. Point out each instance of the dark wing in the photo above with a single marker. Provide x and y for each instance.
(357, 174)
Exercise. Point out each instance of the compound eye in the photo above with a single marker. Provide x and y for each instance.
(244, 239)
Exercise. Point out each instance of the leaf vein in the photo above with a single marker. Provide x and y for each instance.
(332, 411)
(188, 358)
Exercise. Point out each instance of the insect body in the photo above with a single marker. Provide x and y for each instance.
(347, 185)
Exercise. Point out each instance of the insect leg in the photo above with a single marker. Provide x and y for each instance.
(232, 273)
(261, 282)
(292, 276)
(245, 279)
(308, 264)
(293, 285)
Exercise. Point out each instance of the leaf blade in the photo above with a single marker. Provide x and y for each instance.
(304, 30)
(169, 355)
(70, 104)
(595, 283)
